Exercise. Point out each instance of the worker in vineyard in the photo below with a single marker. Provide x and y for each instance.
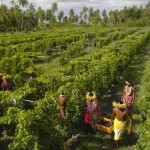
(8, 83)
(128, 95)
(93, 110)
(62, 100)
(119, 117)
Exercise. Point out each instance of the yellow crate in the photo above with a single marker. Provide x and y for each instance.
(105, 128)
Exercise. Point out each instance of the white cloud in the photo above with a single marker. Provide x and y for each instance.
(77, 5)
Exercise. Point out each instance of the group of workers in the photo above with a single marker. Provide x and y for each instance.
(121, 111)
(7, 84)
(120, 114)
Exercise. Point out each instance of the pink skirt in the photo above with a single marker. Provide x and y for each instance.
(129, 101)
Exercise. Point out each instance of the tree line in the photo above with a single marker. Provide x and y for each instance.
(23, 16)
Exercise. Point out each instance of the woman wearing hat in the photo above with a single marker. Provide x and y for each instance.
(8, 83)
(128, 95)
(93, 110)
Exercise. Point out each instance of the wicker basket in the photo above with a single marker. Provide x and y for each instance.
(105, 128)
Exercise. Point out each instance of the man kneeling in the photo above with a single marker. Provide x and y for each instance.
(120, 115)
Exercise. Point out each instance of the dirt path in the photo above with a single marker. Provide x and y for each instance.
(103, 141)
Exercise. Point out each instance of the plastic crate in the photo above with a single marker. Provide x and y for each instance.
(105, 128)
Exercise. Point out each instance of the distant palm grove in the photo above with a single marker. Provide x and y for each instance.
(23, 16)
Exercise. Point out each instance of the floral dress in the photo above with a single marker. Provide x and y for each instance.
(128, 97)
(93, 111)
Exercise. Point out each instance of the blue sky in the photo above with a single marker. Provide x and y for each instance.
(77, 5)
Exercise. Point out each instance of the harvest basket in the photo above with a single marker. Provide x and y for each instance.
(104, 125)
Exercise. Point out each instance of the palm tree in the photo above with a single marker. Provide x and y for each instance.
(48, 14)
(85, 9)
(54, 7)
(60, 15)
(91, 13)
(105, 17)
(14, 11)
(71, 16)
(53, 10)
(4, 15)
(22, 3)
(111, 18)
(40, 14)
(31, 15)
(65, 20)
(133, 12)
(81, 15)
(97, 17)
